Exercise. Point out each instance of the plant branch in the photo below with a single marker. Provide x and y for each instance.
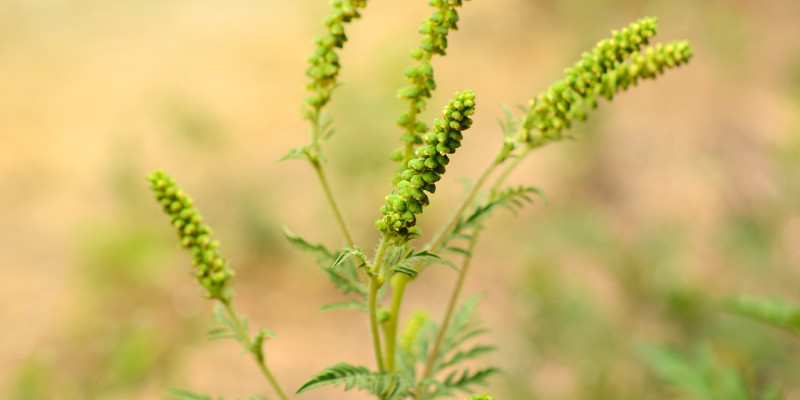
(373, 322)
(329, 195)
(257, 353)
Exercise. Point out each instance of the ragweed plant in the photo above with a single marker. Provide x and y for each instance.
(425, 359)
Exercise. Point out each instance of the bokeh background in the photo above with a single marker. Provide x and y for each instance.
(681, 194)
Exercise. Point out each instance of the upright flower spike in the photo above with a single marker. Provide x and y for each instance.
(212, 270)
(324, 63)
(423, 171)
(601, 72)
(434, 32)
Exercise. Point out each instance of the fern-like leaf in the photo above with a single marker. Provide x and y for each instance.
(297, 153)
(512, 198)
(223, 327)
(410, 262)
(346, 254)
(464, 355)
(320, 252)
(384, 385)
(345, 277)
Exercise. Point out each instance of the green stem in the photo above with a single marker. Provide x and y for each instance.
(258, 355)
(510, 168)
(336, 212)
(399, 283)
(375, 282)
(373, 322)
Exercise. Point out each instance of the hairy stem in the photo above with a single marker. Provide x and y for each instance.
(258, 355)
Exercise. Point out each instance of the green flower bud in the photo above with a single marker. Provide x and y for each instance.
(397, 155)
(431, 163)
(430, 177)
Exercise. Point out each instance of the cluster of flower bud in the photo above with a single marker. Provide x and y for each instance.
(411, 331)
(212, 270)
(324, 62)
(602, 72)
(423, 171)
(436, 27)
(434, 41)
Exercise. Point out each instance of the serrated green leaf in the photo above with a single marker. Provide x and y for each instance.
(267, 333)
(346, 254)
(344, 305)
(458, 250)
(773, 312)
(320, 252)
(347, 284)
(464, 381)
(408, 265)
(220, 333)
(403, 269)
(298, 153)
(464, 355)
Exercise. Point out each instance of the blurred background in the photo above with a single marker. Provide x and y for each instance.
(683, 193)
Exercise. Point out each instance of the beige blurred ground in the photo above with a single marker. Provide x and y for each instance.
(93, 92)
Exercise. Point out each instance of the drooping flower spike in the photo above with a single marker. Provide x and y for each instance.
(603, 72)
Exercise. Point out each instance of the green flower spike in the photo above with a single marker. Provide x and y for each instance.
(434, 32)
(324, 62)
(212, 270)
(481, 397)
(603, 72)
(425, 169)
